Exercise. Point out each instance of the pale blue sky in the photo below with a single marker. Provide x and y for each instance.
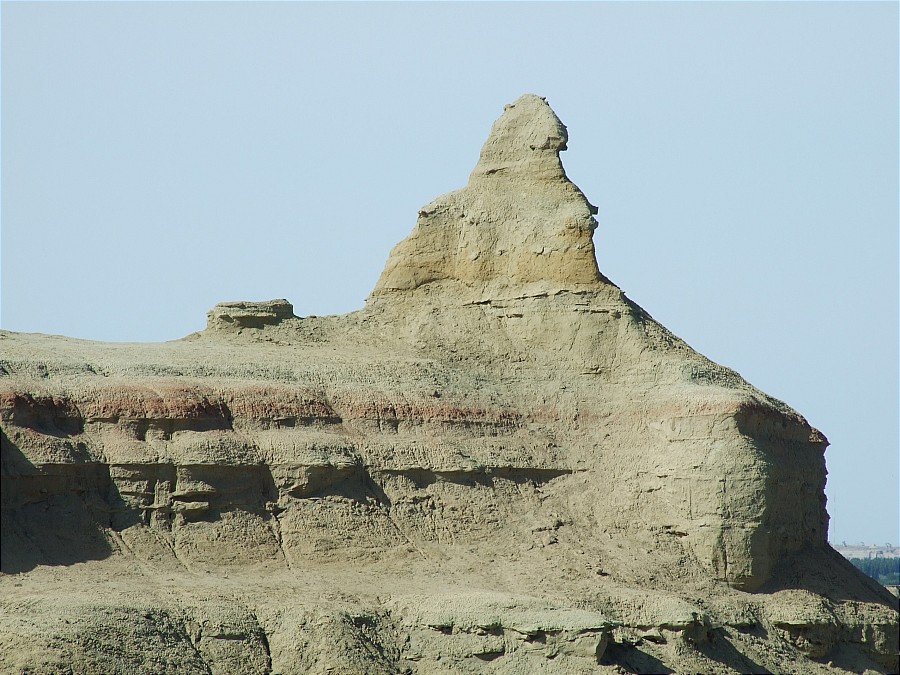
(158, 158)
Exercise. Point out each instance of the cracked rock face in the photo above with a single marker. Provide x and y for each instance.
(501, 464)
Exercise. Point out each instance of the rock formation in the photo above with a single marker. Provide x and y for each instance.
(501, 465)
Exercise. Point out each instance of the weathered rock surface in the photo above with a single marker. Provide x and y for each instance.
(501, 464)
(519, 222)
(249, 314)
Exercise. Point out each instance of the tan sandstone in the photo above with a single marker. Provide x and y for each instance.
(500, 465)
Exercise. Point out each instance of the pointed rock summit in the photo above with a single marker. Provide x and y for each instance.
(525, 142)
(519, 221)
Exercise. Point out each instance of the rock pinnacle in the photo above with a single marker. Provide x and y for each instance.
(519, 221)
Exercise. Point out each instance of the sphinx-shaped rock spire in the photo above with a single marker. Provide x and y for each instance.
(525, 142)
(518, 222)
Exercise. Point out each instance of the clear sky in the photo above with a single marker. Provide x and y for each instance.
(158, 158)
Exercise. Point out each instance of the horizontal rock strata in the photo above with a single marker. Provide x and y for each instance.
(501, 464)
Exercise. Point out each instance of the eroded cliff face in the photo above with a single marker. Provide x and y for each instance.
(501, 464)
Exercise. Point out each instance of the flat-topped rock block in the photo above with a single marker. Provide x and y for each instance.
(227, 315)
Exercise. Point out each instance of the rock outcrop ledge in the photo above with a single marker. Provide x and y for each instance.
(500, 465)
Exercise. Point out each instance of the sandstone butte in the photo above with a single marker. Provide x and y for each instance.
(500, 465)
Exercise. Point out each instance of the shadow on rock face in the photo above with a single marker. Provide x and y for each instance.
(827, 573)
(50, 515)
(719, 648)
(633, 660)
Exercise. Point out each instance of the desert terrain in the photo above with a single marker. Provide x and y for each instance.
(500, 465)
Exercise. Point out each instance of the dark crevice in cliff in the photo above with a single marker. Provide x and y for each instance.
(483, 476)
